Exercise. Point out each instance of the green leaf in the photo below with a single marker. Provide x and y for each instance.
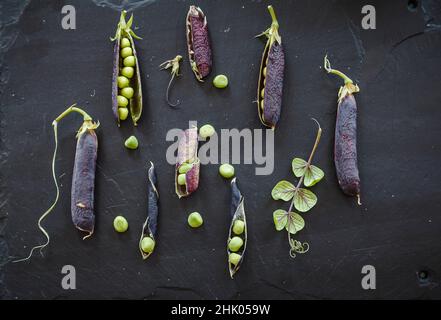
(280, 219)
(283, 190)
(298, 167)
(313, 175)
(295, 223)
(304, 200)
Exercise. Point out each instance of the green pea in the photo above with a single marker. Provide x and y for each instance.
(206, 131)
(226, 170)
(120, 224)
(128, 72)
(262, 93)
(125, 42)
(147, 244)
(122, 101)
(264, 72)
(181, 179)
(126, 52)
(234, 258)
(129, 61)
(131, 143)
(235, 244)
(123, 82)
(261, 105)
(195, 220)
(220, 81)
(185, 167)
(238, 227)
(127, 92)
(123, 113)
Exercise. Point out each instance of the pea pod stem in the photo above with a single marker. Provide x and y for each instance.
(327, 66)
(275, 23)
(71, 109)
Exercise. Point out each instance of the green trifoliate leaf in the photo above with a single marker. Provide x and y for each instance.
(299, 167)
(295, 223)
(304, 200)
(313, 175)
(280, 219)
(283, 190)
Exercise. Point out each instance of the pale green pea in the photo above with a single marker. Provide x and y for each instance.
(122, 101)
(123, 82)
(235, 244)
(181, 179)
(262, 93)
(147, 244)
(123, 113)
(206, 131)
(238, 227)
(226, 170)
(129, 61)
(220, 81)
(131, 143)
(264, 72)
(120, 224)
(126, 52)
(185, 167)
(128, 92)
(261, 105)
(195, 220)
(128, 72)
(125, 42)
(234, 258)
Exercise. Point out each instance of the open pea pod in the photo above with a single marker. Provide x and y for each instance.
(238, 229)
(124, 31)
(147, 240)
(187, 163)
(270, 85)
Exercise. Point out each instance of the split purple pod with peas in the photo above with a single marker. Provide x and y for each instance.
(83, 177)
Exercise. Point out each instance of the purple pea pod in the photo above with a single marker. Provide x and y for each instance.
(198, 43)
(187, 163)
(270, 85)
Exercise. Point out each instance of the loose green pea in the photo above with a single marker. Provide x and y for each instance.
(120, 224)
(123, 82)
(147, 244)
(122, 101)
(206, 131)
(181, 179)
(195, 220)
(126, 52)
(220, 81)
(129, 61)
(234, 258)
(123, 113)
(131, 143)
(125, 42)
(226, 170)
(185, 167)
(127, 92)
(235, 244)
(238, 227)
(128, 72)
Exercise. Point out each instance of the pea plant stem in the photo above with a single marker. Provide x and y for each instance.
(72, 108)
(327, 66)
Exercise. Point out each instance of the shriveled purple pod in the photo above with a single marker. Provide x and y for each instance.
(187, 163)
(124, 30)
(270, 85)
(198, 43)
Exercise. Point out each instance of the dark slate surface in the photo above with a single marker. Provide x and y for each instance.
(397, 229)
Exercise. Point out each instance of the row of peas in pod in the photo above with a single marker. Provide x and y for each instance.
(125, 90)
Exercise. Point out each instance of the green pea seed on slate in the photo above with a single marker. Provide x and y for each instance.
(195, 220)
(185, 167)
(235, 244)
(234, 258)
(181, 179)
(129, 61)
(126, 52)
(120, 224)
(206, 131)
(122, 101)
(220, 81)
(123, 82)
(128, 72)
(147, 245)
(128, 92)
(226, 170)
(125, 42)
(131, 143)
(123, 113)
